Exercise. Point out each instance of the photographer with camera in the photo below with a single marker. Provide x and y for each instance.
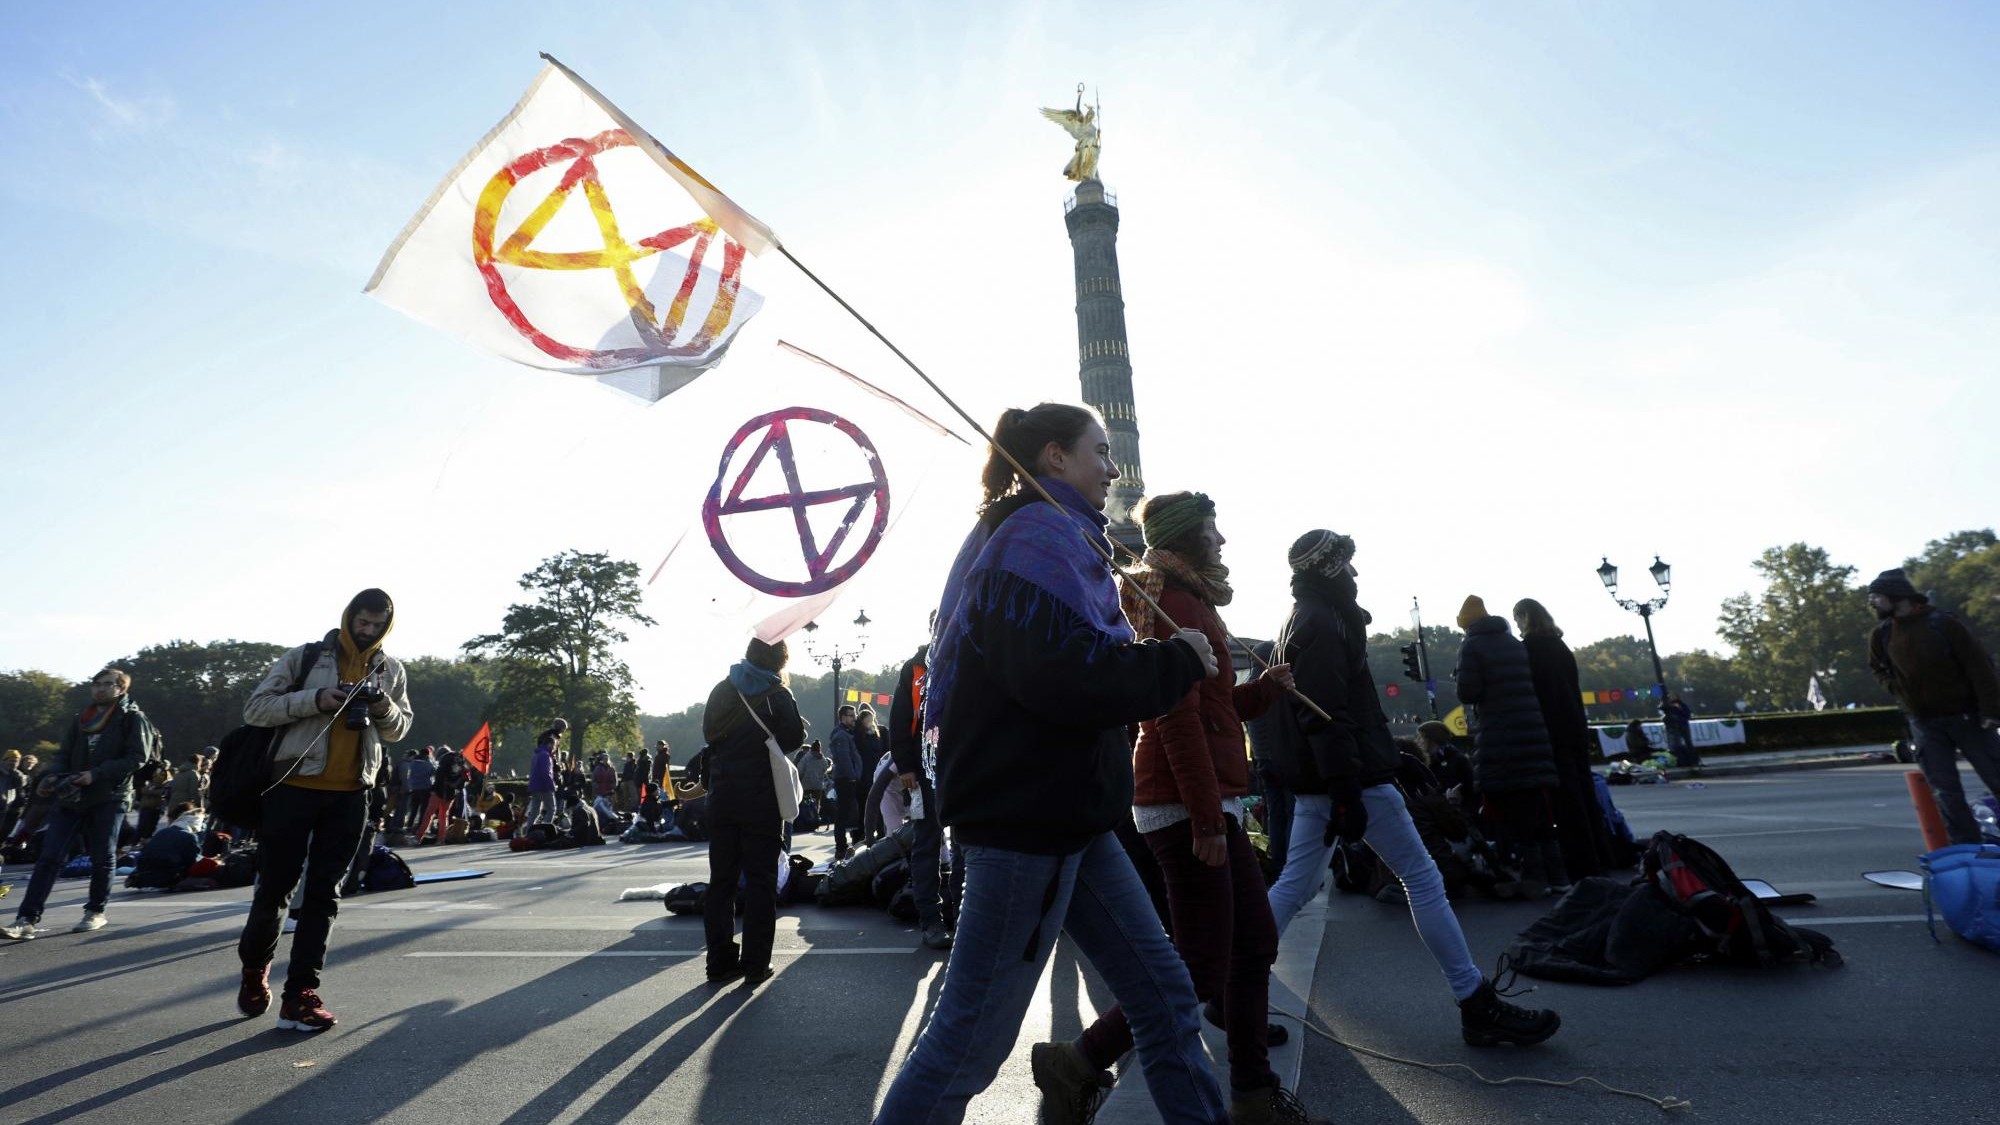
(90, 781)
(325, 756)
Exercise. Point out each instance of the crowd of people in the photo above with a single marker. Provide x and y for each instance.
(1072, 752)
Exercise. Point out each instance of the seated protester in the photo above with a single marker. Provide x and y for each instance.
(500, 816)
(171, 850)
(1447, 760)
(606, 814)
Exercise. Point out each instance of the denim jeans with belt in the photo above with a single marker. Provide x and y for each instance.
(1014, 905)
(1391, 835)
(99, 825)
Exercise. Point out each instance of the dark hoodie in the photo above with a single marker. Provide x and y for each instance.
(736, 764)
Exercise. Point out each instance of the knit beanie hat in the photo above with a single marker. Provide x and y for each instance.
(1167, 518)
(1320, 552)
(1435, 731)
(1894, 584)
(1473, 610)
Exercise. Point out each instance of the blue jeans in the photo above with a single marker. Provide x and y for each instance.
(540, 807)
(99, 825)
(1391, 835)
(1014, 904)
(1939, 742)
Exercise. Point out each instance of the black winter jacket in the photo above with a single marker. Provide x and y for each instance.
(1034, 756)
(736, 766)
(906, 743)
(1330, 662)
(1497, 686)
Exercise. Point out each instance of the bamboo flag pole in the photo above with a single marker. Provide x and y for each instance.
(744, 227)
(1021, 470)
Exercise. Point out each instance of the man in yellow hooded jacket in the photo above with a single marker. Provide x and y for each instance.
(351, 701)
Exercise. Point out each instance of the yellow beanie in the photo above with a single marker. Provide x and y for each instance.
(1473, 610)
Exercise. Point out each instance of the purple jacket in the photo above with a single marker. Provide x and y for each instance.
(542, 771)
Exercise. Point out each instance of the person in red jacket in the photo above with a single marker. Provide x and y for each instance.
(1191, 772)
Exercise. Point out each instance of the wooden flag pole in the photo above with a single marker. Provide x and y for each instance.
(1021, 470)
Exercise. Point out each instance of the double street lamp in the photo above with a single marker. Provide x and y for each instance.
(1663, 576)
(835, 656)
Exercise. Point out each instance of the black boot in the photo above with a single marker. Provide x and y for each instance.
(1554, 872)
(1488, 1021)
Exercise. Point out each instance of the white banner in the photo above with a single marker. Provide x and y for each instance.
(786, 479)
(570, 240)
(1704, 732)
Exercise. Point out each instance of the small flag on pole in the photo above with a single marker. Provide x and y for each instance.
(1815, 695)
(479, 752)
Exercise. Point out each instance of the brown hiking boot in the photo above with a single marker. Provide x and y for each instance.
(1072, 1089)
(1269, 1105)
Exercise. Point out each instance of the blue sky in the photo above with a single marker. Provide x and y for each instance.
(1693, 279)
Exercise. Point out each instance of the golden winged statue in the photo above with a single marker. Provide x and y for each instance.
(1080, 123)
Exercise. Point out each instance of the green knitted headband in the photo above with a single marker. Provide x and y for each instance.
(1164, 523)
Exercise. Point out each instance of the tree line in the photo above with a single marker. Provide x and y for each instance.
(555, 654)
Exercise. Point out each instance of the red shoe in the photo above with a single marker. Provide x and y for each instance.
(303, 1012)
(254, 998)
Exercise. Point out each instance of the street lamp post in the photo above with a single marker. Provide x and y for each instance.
(835, 656)
(1663, 576)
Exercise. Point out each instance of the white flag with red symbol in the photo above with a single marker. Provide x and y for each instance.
(785, 484)
(571, 240)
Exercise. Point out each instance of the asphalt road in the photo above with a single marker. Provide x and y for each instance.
(532, 995)
(1903, 1032)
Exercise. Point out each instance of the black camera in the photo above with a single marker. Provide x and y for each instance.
(360, 697)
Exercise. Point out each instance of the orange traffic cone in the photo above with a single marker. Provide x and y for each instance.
(1928, 819)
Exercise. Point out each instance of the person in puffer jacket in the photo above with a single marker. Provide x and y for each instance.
(1512, 757)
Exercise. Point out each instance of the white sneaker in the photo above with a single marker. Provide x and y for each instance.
(18, 930)
(92, 920)
(291, 925)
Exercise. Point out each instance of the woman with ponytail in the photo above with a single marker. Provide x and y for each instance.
(1034, 675)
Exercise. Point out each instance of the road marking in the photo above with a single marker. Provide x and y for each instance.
(1779, 832)
(1857, 920)
(573, 954)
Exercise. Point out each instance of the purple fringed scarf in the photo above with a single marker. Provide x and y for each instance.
(1042, 545)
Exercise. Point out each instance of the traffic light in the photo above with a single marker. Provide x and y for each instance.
(1412, 668)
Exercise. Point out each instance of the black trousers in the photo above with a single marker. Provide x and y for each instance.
(847, 812)
(926, 848)
(749, 852)
(312, 832)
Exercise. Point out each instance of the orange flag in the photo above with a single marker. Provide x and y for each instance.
(479, 752)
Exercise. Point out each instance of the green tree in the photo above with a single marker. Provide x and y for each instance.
(1961, 573)
(555, 655)
(1409, 706)
(34, 705)
(1709, 684)
(194, 692)
(1810, 620)
(451, 698)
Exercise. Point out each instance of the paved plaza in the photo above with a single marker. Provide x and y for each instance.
(533, 995)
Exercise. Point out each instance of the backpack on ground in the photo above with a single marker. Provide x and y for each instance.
(243, 762)
(386, 872)
(688, 898)
(239, 867)
(1736, 927)
(1963, 883)
(808, 818)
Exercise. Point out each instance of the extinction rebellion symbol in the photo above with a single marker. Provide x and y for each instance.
(656, 328)
(823, 566)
